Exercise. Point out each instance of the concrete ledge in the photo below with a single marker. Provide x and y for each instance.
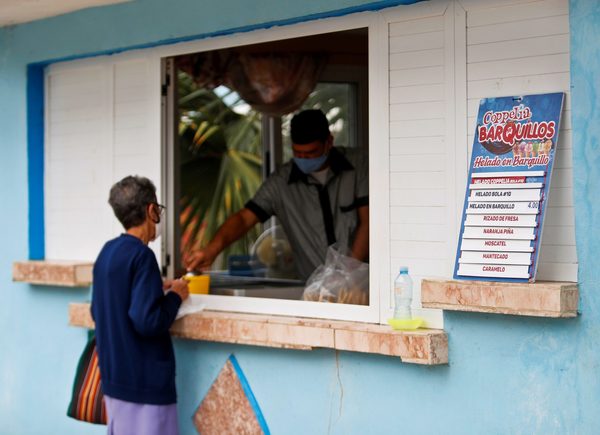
(423, 346)
(57, 273)
(541, 299)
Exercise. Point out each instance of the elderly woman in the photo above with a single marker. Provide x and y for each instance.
(133, 309)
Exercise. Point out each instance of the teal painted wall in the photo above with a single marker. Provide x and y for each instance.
(507, 375)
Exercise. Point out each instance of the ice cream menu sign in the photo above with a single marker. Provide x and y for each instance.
(507, 192)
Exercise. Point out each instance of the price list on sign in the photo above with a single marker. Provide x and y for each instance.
(507, 191)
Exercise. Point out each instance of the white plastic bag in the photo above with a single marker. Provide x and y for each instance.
(342, 279)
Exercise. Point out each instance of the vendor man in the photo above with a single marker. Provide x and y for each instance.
(320, 197)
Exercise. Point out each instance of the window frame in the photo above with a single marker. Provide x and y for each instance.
(379, 203)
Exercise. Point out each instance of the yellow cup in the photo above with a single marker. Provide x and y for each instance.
(198, 284)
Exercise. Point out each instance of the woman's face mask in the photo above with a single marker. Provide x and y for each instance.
(155, 215)
(157, 232)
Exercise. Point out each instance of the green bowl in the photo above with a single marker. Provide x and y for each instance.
(405, 324)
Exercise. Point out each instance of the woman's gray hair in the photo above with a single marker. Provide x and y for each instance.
(129, 199)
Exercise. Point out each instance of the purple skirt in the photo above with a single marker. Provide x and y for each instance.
(128, 418)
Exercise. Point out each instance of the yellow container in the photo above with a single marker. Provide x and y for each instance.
(406, 324)
(198, 284)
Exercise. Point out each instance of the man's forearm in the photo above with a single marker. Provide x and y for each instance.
(360, 247)
(232, 229)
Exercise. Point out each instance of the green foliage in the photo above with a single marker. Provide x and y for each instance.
(220, 163)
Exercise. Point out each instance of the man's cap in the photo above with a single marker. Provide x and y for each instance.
(309, 126)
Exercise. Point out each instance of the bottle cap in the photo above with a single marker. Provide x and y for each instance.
(403, 269)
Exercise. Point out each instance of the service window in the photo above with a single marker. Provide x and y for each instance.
(224, 147)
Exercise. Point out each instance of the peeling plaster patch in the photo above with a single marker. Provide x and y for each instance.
(535, 407)
(545, 403)
(548, 380)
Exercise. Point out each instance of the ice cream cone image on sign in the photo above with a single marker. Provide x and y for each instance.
(545, 147)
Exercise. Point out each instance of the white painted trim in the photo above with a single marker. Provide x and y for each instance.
(309, 28)
(452, 101)
(287, 307)
(472, 5)
(379, 167)
(419, 10)
(110, 122)
(46, 145)
(461, 144)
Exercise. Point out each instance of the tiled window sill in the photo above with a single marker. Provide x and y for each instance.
(422, 346)
(56, 273)
(541, 299)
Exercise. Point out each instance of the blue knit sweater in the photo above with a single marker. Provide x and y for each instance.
(133, 317)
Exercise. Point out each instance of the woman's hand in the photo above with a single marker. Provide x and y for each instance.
(180, 286)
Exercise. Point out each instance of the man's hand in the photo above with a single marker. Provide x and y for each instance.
(232, 229)
(180, 286)
(167, 283)
(199, 260)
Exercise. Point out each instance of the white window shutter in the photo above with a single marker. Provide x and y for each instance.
(102, 123)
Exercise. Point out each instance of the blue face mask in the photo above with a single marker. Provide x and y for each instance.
(310, 165)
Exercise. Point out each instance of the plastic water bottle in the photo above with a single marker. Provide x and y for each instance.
(403, 289)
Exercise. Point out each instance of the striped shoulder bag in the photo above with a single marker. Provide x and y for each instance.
(87, 399)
